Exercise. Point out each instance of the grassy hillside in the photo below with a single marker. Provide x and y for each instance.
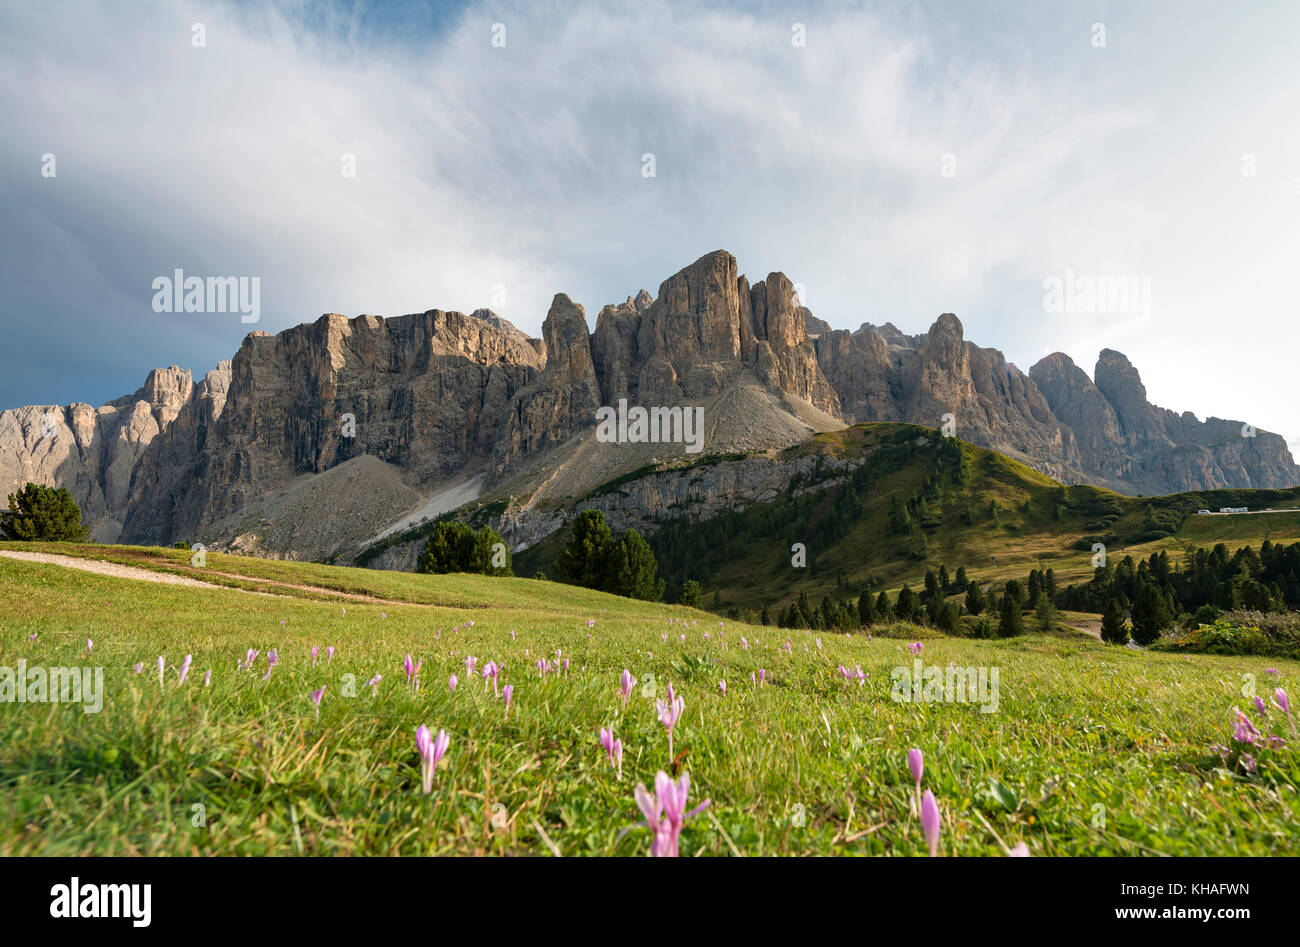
(1091, 749)
(982, 510)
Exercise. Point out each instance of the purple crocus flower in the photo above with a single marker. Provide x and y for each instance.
(316, 698)
(507, 692)
(1243, 731)
(669, 711)
(139, 667)
(432, 749)
(626, 683)
(469, 664)
(207, 678)
(373, 684)
(272, 659)
(315, 651)
(722, 686)
(185, 669)
(412, 669)
(916, 763)
(452, 682)
(89, 645)
(914, 647)
(1021, 850)
(664, 812)
(613, 750)
(930, 822)
(162, 666)
(329, 653)
(1284, 704)
(250, 657)
(1261, 707)
(762, 675)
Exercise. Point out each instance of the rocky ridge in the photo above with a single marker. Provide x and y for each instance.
(432, 398)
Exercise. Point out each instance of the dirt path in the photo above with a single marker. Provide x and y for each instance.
(1087, 627)
(107, 568)
(117, 570)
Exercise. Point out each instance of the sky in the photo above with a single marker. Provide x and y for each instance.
(895, 160)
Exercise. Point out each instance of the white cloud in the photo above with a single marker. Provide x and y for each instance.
(521, 166)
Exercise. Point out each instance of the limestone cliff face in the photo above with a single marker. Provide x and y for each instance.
(705, 334)
(1127, 442)
(560, 401)
(91, 451)
(424, 392)
(883, 375)
(446, 404)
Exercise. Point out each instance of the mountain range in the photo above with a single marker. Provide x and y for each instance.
(328, 437)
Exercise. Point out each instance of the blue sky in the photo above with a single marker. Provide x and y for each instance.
(498, 176)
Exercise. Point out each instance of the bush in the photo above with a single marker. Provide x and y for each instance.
(454, 547)
(43, 514)
(1260, 633)
(692, 594)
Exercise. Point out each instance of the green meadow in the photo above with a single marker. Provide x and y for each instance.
(1092, 749)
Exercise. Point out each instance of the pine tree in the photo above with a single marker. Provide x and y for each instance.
(1046, 613)
(974, 598)
(866, 609)
(905, 607)
(585, 560)
(633, 569)
(1150, 615)
(765, 617)
(489, 549)
(1011, 623)
(451, 548)
(43, 514)
(805, 610)
(692, 594)
(884, 612)
(1112, 624)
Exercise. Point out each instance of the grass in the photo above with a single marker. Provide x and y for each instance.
(750, 567)
(1093, 749)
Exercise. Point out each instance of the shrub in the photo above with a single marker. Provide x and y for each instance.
(692, 594)
(43, 514)
(454, 547)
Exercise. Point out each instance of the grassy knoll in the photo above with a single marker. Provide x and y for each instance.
(1092, 749)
